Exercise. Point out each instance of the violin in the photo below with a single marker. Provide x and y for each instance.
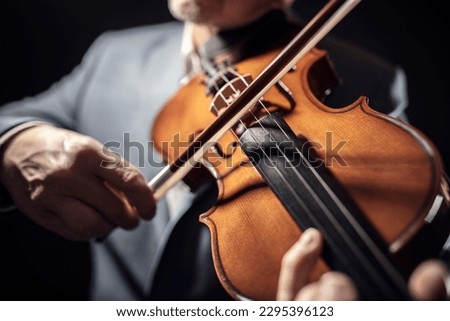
(380, 202)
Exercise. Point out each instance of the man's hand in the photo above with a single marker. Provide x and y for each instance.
(56, 178)
(427, 282)
(296, 268)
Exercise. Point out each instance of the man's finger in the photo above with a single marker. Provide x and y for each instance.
(332, 286)
(130, 181)
(80, 218)
(297, 264)
(427, 282)
(113, 207)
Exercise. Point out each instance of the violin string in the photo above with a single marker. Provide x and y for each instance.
(315, 196)
(361, 232)
(234, 72)
(309, 165)
(217, 88)
(267, 132)
(375, 250)
(341, 230)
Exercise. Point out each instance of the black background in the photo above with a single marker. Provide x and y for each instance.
(42, 40)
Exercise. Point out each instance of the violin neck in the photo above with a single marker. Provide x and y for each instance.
(314, 198)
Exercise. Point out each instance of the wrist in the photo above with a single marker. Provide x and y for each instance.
(6, 203)
(6, 137)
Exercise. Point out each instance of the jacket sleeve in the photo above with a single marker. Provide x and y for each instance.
(57, 106)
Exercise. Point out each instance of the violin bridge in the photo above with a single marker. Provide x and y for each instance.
(227, 94)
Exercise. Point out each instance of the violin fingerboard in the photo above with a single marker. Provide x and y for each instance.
(314, 198)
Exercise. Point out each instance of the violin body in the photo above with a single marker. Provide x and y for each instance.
(389, 169)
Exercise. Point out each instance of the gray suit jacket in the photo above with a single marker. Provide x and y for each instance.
(114, 96)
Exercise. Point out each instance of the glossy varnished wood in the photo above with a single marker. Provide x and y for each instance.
(391, 172)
